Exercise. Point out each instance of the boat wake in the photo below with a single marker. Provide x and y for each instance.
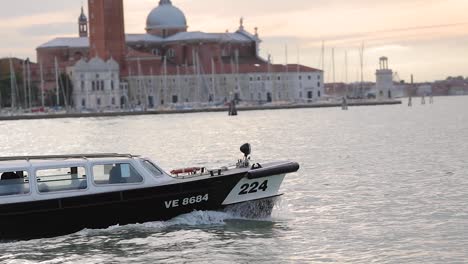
(252, 211)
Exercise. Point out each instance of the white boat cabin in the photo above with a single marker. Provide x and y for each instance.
(24, 179)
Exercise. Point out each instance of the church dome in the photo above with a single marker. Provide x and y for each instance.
(166, 16)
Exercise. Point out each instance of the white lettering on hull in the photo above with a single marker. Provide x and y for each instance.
(186, 201)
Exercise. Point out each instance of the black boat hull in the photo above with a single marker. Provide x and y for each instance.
(50, 218)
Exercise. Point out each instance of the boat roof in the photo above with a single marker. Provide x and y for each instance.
(26, 161)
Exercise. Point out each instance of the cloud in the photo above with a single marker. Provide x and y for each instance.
(48, 29)
(404, 30)
(25, 8)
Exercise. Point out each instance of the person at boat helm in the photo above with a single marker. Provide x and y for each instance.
(10, 176)
(13, 181)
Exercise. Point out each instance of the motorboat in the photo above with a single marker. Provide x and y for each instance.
(48, 196)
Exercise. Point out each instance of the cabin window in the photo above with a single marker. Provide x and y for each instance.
(116, 173)
(14, 183)
(152, 168)
(61, 179)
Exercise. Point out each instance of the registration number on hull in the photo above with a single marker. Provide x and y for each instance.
(186, 201)
(254, 187)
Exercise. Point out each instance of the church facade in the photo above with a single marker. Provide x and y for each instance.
(170, 66)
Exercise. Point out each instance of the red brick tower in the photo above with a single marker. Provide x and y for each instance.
(107, 30)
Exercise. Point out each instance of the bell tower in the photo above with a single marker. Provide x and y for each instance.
(107, 30)
(83, 25)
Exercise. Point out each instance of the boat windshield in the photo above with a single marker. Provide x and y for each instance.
(152, 168)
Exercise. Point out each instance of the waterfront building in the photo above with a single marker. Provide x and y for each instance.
(169, 65)
(97, 85)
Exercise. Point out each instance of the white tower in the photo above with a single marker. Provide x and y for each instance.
(384, 83)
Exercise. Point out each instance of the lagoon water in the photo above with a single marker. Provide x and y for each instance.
(385, 184)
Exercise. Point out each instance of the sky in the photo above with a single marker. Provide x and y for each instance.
(426, 38)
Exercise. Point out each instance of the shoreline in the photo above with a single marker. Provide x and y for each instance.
(191, 111)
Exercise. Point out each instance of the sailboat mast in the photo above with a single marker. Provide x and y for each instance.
(213, 72)
(238, 91)
(12, 85)
(165, 77)
(28, 65)
(152, 87)
(286, 79)
(333, 71)
(361, 53)
(346, 72)
(140, 84)
(346, 66)
(57, 82)
(24, 84)
(42, 84)
(323, 56)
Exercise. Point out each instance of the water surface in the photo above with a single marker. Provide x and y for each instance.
(386, 184)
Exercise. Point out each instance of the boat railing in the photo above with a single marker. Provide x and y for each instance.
(72, 156)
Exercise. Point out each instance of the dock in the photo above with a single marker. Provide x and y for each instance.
(198, 110)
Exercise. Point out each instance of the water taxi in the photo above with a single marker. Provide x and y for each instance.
(47, 196)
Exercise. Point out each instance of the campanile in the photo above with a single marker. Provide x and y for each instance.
(107, 30)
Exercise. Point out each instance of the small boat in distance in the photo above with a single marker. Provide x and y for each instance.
(47, 196)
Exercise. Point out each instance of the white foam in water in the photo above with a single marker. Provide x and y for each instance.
(197, 218)
(281, 211)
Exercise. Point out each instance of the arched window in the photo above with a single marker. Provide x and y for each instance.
(171, 53)
(155, 52)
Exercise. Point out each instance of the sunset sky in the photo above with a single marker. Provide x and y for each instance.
(427, 38)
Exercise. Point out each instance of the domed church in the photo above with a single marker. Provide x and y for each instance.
(166, 20)
(169, 66)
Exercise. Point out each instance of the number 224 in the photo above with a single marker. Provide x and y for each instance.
(253, 187)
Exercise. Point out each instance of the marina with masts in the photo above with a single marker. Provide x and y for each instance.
(169, 69)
